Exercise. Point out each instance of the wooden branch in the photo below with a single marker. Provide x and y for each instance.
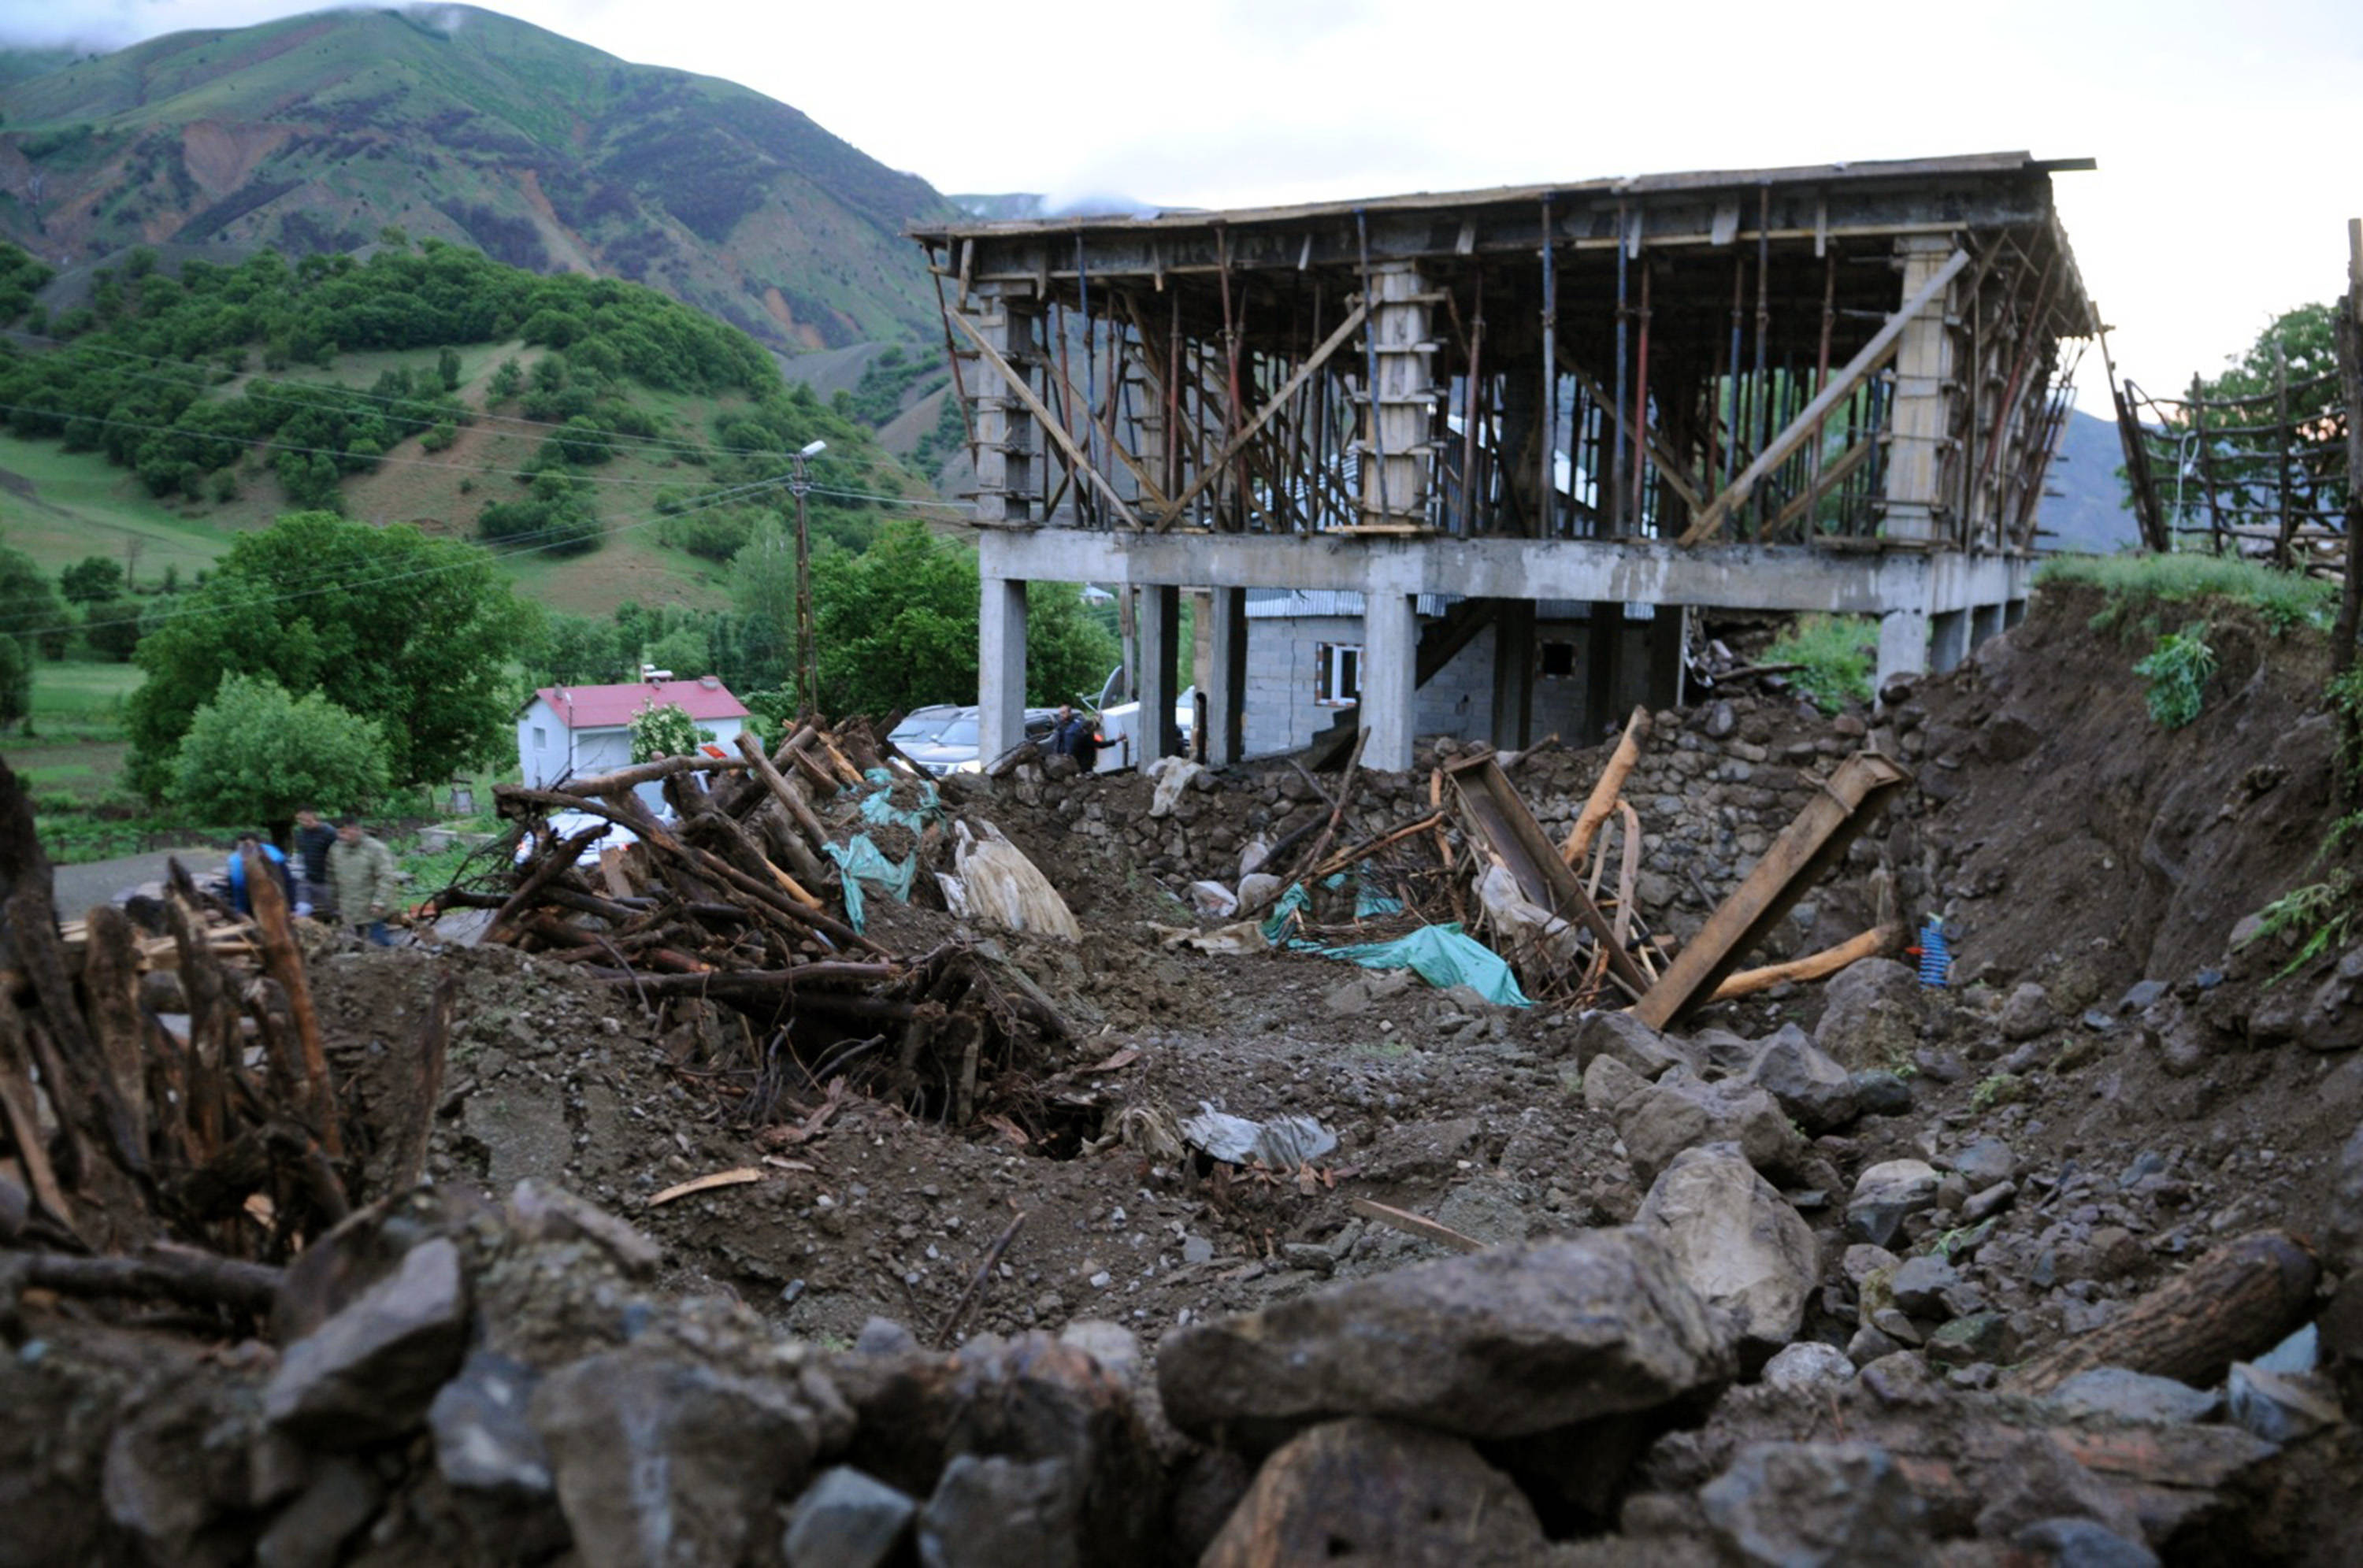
(407, 1162)
(2239, 1300)
(171, 1274)
(1828, 961)
(1416, 1225)
(1628, 870)
(21, 1111)
(553, 863)
(643, 773)
(1371, 845)
(1338, 809)
(1603, 798)
(283, 962)
(790, 798)
(976, 1284)
(1841, 387)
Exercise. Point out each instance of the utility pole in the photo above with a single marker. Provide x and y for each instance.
(807, 659)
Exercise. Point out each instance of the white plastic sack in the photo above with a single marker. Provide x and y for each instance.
(1283, 1144)
(1173, 777)
(995, 884)
(1213, 900)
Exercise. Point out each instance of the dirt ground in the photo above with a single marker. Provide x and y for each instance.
(2070, 842)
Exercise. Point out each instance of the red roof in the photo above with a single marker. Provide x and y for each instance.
(610, 707)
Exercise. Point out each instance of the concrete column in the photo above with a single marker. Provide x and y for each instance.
(1514, 672)
(1223, 678)
(1604, 667)
(2013, 610)
(1985, 623)
(1920, 426)
(1001, 666)
(1008, 447)
(1664, 685)
(1159, 618)
(1902, 644)
(1396, 421)
(1389, 673)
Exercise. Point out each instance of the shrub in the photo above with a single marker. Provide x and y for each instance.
(2178, 671)
(1836, 655)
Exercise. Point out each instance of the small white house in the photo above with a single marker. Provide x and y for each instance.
(583, 730)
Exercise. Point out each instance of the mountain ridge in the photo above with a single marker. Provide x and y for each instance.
(316, 132)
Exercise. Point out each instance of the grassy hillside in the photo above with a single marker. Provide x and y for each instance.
(608, 444)
(313, 133)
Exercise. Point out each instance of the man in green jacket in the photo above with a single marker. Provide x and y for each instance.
(361, 870)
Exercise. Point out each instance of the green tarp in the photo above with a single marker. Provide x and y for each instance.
(1443, 955)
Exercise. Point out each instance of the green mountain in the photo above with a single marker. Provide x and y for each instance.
(316, 133)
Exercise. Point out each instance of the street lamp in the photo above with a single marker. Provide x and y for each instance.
(807, 661)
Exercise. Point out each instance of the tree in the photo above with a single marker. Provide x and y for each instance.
(112, 629)
(94, 579)
(578, 650)
(446, 366)
(1067, 650)
(412, 632)
(665, 730)
(256, 754)
(896, 624)
(32, 621)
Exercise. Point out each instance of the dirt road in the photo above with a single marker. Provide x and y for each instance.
(96, 881)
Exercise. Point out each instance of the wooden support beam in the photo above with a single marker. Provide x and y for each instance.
(1806, 847)
(1859, 369)
(1208, 472)
(1812, 966)
(1670, 467)
(1076, 462)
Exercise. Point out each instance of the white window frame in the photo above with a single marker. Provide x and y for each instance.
(1336, 674)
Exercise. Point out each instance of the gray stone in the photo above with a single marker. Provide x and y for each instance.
(1737, 1242)
(368, 1373)
(2279, 1407)
(664, 1462)
(1993, 1200)
(1003, 1513)
(2120, 1394)
(1809, 1366)
(2028, 1012)
(483, 1438)
(1811, 1087)
(1825, 1503)
(2035, 1478)
(1980, 1336)
(309, 1531)
(846, 1519)
(2345, 1220)
(1982, 1161)
(2302, 1352)
(1861, 1260)
(1617, 1033)
(883, 1336)
(2080, 1543)
(1682, 1112)
(1511, 1342)
(1897, 1325)
(1870, 1014)
(1920, 1285)
(1869, 1344)
(1379, 1492)
(1609, 1083)
(1721, 1054)
(1113, 1346)
(1886, 1194)
(540, 1213)
(1878, 1092)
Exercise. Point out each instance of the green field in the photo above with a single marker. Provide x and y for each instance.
(59, 506)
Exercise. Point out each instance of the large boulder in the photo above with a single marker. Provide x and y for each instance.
(1495, 1345)
(1816, 1092)
(1681, 1112)
(2346, 1217)
(1737, 1242)
(1870, 1014)
(1379, 1492)
(1823, 1503)
(665, 1462)
(2028, 1013)
(370, 1372)
(996, 1512)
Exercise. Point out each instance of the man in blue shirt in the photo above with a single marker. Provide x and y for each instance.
(243, 895)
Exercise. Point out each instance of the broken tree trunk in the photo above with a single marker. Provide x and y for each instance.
(1812, 966)
(285, 963)
(1602, 799)
(2238, 1301)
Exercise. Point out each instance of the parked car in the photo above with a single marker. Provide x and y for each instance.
(924, 724)
(952, 748)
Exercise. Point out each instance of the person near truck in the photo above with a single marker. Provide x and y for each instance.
(313, 839)
(362, 877)
(1071, 736)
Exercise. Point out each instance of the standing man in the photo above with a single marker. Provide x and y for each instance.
(362, 872)
(314, 838)
(1072, 736)
(241, 895)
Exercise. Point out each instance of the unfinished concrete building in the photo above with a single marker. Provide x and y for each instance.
(1495, 443)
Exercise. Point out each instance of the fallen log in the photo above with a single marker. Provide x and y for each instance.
(2238, 1301)
(171, 1274)
(1812, 966)
(283, 962)
(1336, 808)
(1611, 784)
(648, 773)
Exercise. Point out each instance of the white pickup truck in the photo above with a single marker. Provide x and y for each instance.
(1119, 726)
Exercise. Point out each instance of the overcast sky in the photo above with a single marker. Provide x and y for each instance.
(2226, 133)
